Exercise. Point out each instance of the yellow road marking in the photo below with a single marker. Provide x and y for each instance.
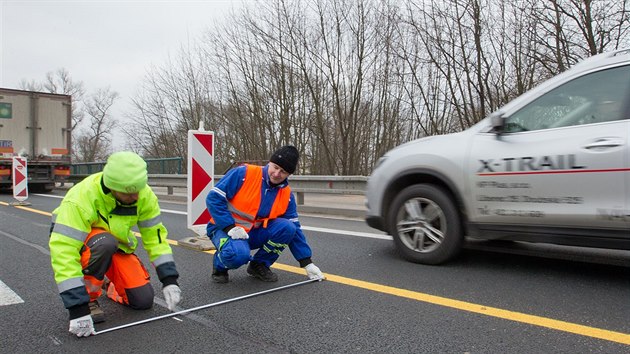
(27, 209)
(618, 337)
(594, 332)
(33, 210)
(488, 311)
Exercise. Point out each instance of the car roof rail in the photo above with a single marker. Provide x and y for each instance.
(623, 51)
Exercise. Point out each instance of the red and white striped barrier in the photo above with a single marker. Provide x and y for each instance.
(200, 178)
(20, 180)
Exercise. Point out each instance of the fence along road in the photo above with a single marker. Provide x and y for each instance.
(333, 195)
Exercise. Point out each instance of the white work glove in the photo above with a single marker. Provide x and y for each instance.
(172, 295)
(82, 326)
(238, 233)
(313, 272)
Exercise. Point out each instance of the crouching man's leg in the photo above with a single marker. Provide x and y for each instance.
(270, 241)
(96, 259)
(230, 254)
(129, 282)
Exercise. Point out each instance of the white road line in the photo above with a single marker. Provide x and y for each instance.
(350, 233)
(174, 212)
(35, 246)
(48, 195)
(8, 296)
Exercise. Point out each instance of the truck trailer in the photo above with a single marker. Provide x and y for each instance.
(36, 126)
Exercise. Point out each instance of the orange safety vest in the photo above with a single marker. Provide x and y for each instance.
(245, 204)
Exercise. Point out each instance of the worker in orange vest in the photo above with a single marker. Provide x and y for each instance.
(252, 207)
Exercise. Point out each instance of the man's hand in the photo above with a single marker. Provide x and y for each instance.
(172, 295)
(238, 233)
(82, 326)
(313, 272)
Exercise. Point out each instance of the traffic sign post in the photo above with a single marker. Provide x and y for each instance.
(20, 180)
(200, 182)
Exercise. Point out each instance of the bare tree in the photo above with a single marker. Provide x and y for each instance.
(94, 142)
(578, 29)
(173, 99)
(61, 82)
(346, 80)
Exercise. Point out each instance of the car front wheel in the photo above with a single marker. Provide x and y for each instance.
(425, 224)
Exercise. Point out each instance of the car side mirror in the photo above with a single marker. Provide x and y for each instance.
(498, 123)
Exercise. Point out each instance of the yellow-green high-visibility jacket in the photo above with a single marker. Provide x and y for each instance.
(89, 204)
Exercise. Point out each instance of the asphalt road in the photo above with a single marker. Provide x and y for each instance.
(372, 302)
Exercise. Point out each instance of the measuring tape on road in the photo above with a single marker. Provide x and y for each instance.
(206, 306)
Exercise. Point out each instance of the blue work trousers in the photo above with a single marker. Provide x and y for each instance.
(270, 242)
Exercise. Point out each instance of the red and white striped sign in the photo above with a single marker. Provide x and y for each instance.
(20, 182)
(200, 178)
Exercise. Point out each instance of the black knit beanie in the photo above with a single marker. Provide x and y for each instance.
(286, 157)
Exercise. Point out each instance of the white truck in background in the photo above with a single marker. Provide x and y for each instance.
(37, 126)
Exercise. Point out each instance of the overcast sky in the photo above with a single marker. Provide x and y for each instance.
(101, 43)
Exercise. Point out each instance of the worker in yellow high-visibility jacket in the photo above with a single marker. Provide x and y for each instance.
(92, 245)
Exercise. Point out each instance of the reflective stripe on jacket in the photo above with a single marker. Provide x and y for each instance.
(245, 204)
(90, 205)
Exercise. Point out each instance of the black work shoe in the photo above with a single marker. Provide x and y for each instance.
(220, 276)
(97, 314)
(261, 271)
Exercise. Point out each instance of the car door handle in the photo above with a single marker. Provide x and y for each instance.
(604, 143)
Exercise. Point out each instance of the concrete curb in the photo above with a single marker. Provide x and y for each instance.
(198, 243)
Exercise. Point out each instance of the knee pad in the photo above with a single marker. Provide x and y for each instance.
(101, 249)
(103, 244)
(140, 298)
(234, 253)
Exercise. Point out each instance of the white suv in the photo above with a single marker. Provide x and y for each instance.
(551, 166)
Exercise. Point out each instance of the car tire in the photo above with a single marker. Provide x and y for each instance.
(425, 224)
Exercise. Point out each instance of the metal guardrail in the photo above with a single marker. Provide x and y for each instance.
(299, 184)
(327, 185)
(159, 165)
